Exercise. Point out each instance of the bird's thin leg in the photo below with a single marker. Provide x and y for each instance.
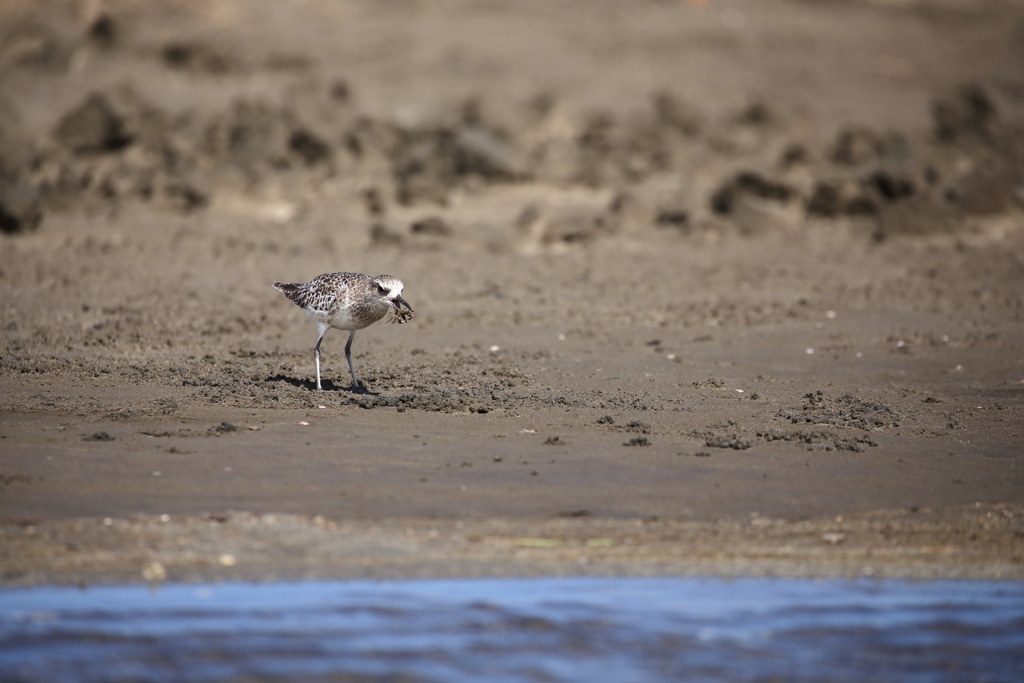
(316, 354)
(348, 357)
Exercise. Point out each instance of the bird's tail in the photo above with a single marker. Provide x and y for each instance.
(289, 289)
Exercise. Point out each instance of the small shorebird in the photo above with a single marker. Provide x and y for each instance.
(347, 301)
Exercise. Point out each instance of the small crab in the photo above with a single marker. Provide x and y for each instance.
(400, 315)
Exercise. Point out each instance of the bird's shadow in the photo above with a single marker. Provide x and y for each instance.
(326, 384)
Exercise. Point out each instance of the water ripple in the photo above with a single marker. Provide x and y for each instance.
(545, 630)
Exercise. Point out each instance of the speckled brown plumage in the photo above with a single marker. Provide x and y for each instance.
(345, 301)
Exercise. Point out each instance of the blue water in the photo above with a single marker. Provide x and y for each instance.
(545, 630)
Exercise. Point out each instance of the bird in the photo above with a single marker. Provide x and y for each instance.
(347, 301)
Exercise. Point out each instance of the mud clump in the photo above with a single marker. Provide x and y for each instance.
(845, 411)
(99, 436)
(714, 439)
(967, 112)
(831, 200)
(198, 57)
(987, 190)
(854, 146)
(890, 187)
(262, 140)
(19, 208)
(724, 199)
(92, 128)
(820, 440)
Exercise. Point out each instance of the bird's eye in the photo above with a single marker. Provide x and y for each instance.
(381, 290)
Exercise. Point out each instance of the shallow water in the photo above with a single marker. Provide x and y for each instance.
(580, 629)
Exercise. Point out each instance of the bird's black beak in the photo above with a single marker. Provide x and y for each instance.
(399, 300)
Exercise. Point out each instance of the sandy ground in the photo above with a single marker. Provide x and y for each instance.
(715, 287)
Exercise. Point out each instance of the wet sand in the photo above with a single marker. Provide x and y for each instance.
(766, 320)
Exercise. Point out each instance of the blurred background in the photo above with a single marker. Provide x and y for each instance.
(683, 115)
